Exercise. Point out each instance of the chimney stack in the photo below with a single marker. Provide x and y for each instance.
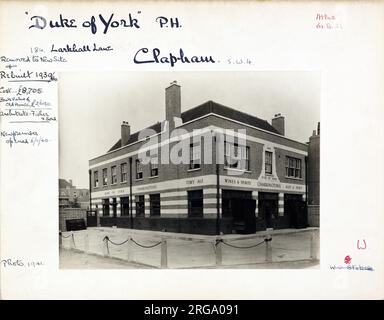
(125, 133)
(173, 104)
(278, 123)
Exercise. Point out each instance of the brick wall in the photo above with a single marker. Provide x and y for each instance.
(70, 213)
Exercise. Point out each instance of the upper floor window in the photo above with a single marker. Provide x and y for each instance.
(105, 177)
(293, 167)
(154, 167)
(95, 179)
(139, 169)
(113, 175)
(236, 157)
(268, 162)
(195, 156)
(123, 172)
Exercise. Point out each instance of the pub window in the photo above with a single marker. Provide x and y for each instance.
(124, 204)
(105, 207)
(105, 177)
(154, 168)
(140, 206)
(154, 203)
(195, 203)
(268, 162)
(113, 175)
(293, 167)
(95, 179)
(236, 157)
(139, 169)
(123, 172)
(194, 156)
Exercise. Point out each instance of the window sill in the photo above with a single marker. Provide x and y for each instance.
(123, 182)
(293, 178)
(152, 177)
(141, 179)
(239, 170)
(113, 184)
(195, 169)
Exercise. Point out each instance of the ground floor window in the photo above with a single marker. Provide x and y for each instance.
(124, 204)
(154, 204)
(195, 203)
(140, 206)
(105, 207)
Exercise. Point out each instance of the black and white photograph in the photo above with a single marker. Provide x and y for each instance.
(189, 170)
(191, 150)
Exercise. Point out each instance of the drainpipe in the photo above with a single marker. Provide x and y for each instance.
(130, 193)
(217, 189)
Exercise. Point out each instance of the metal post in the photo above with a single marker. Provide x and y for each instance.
(60, 239)
(105, 250)
(130, 250)
(219, 252)
(217, 187)
(313, 248)
(130, 193)
(72, 241)
(268, 249)
(164, 254)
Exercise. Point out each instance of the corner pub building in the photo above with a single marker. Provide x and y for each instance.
(268, 191)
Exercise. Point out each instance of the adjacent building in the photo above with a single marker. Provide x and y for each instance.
(314, 178)
(259, 184)
(70, 196)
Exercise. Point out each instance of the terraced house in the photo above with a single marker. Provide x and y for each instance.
(261, 183)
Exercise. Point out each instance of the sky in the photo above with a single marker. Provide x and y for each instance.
(92, 105)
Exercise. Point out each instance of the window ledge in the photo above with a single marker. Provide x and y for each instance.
(113, 184)
(293, 178)
(195, 169)
(152, 177)
(239, 170)
(141, 179)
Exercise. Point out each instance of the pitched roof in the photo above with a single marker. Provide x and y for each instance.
(135, 136)
(219, 109)
(202, 110)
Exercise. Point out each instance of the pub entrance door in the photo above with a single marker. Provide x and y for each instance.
(268, 208)
(241, 207)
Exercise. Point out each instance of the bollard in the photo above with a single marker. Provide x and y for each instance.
(105, 250)
(164, 254)
(219, 252)
(268, 249)
(313, 248)
(129, 250)
(60, 239)
(86, 243)
(72, 241)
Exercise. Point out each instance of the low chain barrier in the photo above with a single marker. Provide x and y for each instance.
(241, 247)
(66, 237)
(217, 246)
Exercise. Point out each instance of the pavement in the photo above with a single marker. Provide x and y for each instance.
(290, 249)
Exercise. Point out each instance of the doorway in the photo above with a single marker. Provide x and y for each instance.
(241, 207)
(268, 208)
